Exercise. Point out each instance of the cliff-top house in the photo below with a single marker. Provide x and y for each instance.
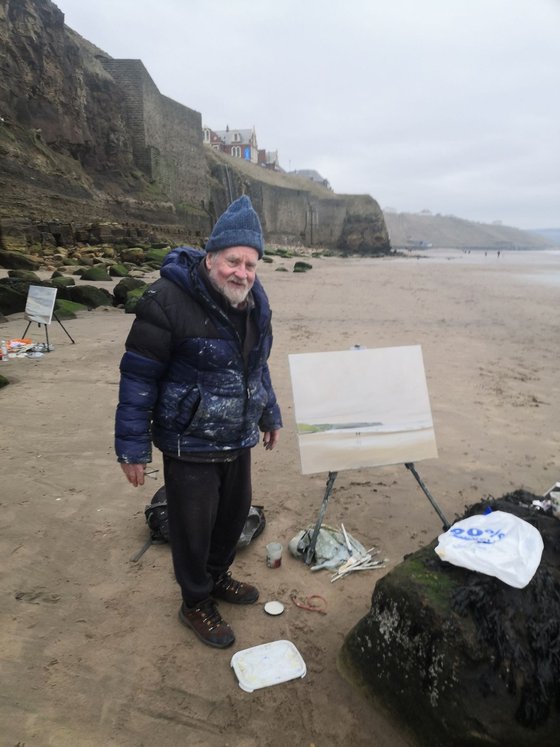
(313, 176)
(241, 144)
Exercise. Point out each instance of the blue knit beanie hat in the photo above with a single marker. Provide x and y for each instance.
(238, 226)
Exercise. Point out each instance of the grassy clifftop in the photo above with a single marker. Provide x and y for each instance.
(409, 229)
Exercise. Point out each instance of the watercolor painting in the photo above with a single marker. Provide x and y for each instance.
(361, 408)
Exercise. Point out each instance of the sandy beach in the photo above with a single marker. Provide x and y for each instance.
(92, 651)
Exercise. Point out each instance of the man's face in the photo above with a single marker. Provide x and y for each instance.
(233, 271)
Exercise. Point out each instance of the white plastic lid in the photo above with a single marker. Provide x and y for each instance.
(274, 608)
(267, 664)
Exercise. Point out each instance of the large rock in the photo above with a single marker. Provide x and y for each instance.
(65, 309)
(132, 299)
(156, 256)
(17, 261)
(459, 657)
(125, 286)
(135, 255)
(13, 295)
(28, 275)
(118, 270)
(96, 274)
(62, 281)
(364, 231)
(87, 295)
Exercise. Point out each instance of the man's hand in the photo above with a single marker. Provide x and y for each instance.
(134, 473)
(270, 439)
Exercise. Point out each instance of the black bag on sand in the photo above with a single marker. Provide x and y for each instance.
(254, 525)
(156, 518)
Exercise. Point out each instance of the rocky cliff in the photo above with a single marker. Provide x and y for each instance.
(296, 211)
(89, 149)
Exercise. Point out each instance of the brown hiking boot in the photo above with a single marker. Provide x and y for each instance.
(207, 624)
(234, 592)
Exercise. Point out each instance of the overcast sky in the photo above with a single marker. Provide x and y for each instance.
(445, 105)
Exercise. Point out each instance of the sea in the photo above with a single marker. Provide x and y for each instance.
(539, 266)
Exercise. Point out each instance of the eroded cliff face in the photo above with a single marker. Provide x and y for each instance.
(81, 143)
(66, 144)
(297, 212)
(54, 84)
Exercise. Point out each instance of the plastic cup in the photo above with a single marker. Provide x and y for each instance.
(274, 555)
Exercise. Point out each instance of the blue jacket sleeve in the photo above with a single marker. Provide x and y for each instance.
(142, 366)
(138, 393)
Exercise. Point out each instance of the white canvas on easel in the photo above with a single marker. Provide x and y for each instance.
(40, 303)
(362, 408)
(39, 308)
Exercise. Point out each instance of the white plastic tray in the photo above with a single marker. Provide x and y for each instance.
(267, 664)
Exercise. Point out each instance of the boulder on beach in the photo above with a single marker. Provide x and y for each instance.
(126, 286)
(88, 295)
(460, 658)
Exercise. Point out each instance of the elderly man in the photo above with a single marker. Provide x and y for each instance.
(195, 381)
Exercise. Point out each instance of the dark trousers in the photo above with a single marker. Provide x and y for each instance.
(207, 506)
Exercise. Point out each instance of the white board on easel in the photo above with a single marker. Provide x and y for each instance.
(39, 307)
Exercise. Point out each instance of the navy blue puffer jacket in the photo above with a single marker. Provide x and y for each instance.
(185, 383)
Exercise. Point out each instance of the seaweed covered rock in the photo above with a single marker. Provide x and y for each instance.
(155, 256)
(96, 274)
(118, 270)
(88, 295)
(13, 295)
(125, 286)
(62, 281)
(132, 299)
(18, 261)
(65, 309)
(28, 275)
(459, 657)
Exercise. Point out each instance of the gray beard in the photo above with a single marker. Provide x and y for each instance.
(236, 297)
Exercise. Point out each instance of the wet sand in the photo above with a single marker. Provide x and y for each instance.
(92, 652)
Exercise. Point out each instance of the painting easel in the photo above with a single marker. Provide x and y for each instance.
(39, 308)
(362, 408)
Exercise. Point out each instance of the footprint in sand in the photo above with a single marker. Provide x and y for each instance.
(37, 597)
